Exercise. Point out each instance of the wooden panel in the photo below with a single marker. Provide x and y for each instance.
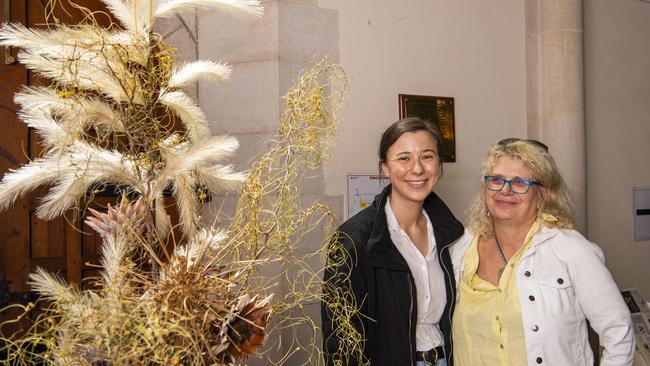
(90, 280)
(14, 148)
(73, 253)
(14, 246)
(27, 242)
(17, 145)
(47, 237)
(90, 241)
(64, 13)
(54, 265)
(14, 145)
(56, 239)
(39, 234)
(64, 237)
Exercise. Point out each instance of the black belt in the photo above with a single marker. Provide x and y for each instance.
(431, 356)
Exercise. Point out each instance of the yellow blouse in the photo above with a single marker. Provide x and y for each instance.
(487, 326)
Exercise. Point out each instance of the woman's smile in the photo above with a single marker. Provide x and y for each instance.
(417, 184)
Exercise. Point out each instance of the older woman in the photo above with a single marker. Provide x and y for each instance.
(528, 282)
(398, 265)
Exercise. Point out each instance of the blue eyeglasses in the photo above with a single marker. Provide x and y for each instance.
(517, 185)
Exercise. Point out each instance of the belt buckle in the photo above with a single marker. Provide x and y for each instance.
(430, 361)
(430, 357)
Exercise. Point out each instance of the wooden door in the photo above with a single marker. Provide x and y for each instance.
(63, 245)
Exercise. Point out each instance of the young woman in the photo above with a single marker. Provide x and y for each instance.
(396, 262)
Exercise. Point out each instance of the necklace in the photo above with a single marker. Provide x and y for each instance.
(503, 257)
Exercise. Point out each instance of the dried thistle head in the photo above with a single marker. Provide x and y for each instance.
(125, 217)
(246, 326)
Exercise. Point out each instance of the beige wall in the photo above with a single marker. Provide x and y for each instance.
(617, 111)
(473, 51)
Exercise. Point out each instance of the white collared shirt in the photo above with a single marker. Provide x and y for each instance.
(429, 281)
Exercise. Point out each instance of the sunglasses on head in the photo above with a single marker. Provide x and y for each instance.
(510, 140)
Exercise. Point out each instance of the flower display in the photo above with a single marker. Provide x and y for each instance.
(115, 113)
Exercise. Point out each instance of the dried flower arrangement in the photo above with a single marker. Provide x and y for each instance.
(110, 116)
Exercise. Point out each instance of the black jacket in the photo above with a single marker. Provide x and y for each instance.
(383, 287)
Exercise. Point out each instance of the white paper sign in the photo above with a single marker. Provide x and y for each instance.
(362, 189)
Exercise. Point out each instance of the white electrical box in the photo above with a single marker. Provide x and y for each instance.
(641, 213)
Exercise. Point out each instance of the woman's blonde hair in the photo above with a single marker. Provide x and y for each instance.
(555, 198)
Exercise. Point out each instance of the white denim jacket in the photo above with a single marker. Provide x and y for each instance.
(563, 282)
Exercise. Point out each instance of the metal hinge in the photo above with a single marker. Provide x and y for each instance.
(9, 58)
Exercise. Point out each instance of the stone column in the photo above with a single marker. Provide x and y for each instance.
(555, 90)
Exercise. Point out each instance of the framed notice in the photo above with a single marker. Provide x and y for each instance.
(362, 189)
(437, 110)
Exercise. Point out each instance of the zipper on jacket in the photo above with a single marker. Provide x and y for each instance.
(411, 320)
(453, 300)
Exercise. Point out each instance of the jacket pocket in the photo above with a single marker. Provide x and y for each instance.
(557, 292)
(557, 279)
